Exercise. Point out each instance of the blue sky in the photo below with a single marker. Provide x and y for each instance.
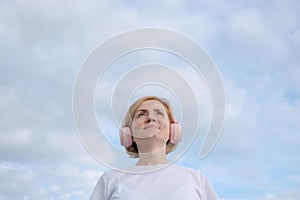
(254, 44)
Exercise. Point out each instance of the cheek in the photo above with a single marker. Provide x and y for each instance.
(138, 122)
(165, 123)
(136, 126)
(166, 128)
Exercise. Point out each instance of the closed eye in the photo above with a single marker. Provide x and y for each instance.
(159, 111)
(141, 115)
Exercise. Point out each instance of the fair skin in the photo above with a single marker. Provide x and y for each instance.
(150, 128)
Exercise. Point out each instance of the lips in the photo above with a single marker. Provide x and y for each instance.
(147, 131)
(151, 126)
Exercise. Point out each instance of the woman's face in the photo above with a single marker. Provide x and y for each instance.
(151, 121)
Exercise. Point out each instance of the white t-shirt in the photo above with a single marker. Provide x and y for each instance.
(164, 182)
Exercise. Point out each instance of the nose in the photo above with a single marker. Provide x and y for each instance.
(150, 117)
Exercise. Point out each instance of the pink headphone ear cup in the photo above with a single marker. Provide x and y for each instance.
(125, 136)
(175, 133)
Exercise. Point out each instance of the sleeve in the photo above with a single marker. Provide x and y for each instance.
(207, 190)
(99, 192)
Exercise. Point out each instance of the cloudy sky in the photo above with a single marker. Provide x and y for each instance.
(255, 45)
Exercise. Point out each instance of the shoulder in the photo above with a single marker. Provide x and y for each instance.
(199, 180)
(110, 175)
(194, 174)
(103, 187)
(202, 182)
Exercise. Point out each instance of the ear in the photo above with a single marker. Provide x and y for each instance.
(125, 136)
(175, 132)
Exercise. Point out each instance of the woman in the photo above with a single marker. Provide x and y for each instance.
(149, 133)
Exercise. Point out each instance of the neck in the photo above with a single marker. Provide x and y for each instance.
(156, 157)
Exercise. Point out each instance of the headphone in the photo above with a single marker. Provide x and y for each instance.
(175, 134)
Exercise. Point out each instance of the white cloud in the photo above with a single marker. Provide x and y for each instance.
(46, 181)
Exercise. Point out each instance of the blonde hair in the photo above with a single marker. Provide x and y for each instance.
(133, 150)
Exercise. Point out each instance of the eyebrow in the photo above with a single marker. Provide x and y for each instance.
(141, 110)
(145, 110)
